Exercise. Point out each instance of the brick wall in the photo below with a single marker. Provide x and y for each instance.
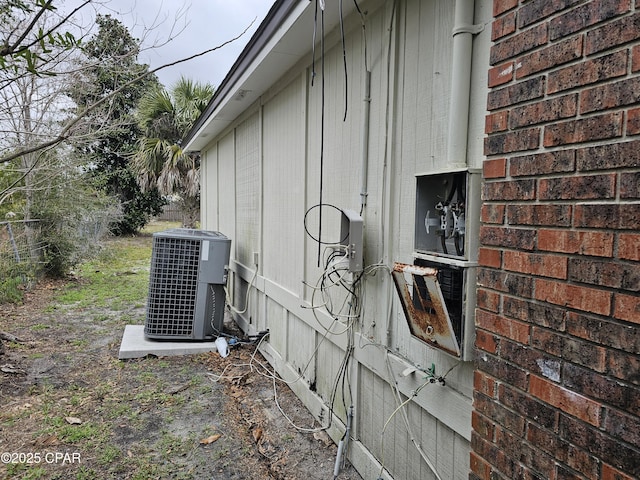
(557, 382)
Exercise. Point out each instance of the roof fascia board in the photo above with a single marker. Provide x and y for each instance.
(275, 25)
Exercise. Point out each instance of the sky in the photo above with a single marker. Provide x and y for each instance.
(181, 28)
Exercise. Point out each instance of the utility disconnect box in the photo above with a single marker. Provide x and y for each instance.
(437, 291)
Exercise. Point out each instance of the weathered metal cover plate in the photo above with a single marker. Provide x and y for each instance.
(424, 307)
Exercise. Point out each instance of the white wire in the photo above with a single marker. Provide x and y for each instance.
(400, 407)
(271, 375)
(246, 300)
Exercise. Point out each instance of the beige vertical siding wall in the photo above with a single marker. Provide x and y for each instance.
(261, 176)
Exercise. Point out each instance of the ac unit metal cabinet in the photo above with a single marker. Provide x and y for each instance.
(186, 285)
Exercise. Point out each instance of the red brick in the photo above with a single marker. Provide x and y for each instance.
(507, 282)
(607, 216)
(612, 34)
(543, 265)
(602, 388)
(501, 74)
(517, 141)
(534, 11)
(588, 129)
(588, 72)
(609, 156)
(575, 458)
(539, 214)
(629, 246)
(502, 371)
(542, 112)
(478, 466)
(573, 296)
(633, 121)
(496, 168)
(598, 443)
(490, 257)
(624, 366)
(598, 244)
(503, 26)
(561, 161)
(543, 314)
(630, 185)
(486, 342)
(527, 406)
(531, 359)
(518, 44)
(578, 188)
(530, 458)
(499, 460)
(586, 354)
(512, 329)
(627, 308)
(488, 300)
(610, 473)
(635, 58)
(519, 238)
(623, 426)
(492, 213)
(484, 384)
(509, 190)
(503, 417)
(568, 401)
(586, 15)
(549, 57)
(608, 333)
(550, 342)
(502, 6)
(605, 273)
(611, 95)
(527, 90)
(496, 122)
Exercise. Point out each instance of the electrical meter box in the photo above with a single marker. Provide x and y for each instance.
(438, 292)
(445, 204)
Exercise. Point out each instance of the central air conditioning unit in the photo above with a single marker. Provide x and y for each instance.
(186, 285)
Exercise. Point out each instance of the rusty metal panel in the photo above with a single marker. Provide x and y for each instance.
(424, 306)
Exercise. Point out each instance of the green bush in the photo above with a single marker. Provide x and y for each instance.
(72, 224)
(13, 278)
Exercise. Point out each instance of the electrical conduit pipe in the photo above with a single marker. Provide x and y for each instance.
(463, 31)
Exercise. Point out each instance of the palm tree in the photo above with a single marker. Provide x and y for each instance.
(159, 161)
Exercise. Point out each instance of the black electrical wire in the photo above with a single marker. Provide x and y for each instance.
(344, 62)
(319, 239)
(321, 132)
(313, 46)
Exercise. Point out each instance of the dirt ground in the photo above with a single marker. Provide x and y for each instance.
(70, 409)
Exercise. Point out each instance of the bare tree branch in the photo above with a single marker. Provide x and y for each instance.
(66, 132)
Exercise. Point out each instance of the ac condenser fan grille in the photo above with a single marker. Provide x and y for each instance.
(173, 284)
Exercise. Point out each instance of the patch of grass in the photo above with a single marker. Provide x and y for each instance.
(84, 473)
(25, 471)
(117, 278)
(77, 433)
(40, 326)
(153, 227)
(109, 454)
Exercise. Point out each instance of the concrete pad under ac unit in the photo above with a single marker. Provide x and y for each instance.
(135, 345)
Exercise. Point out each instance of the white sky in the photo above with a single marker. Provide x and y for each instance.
(197, 26)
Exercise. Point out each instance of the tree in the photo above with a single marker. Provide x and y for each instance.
(111, 57)
(27, 44)
(166, 117)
